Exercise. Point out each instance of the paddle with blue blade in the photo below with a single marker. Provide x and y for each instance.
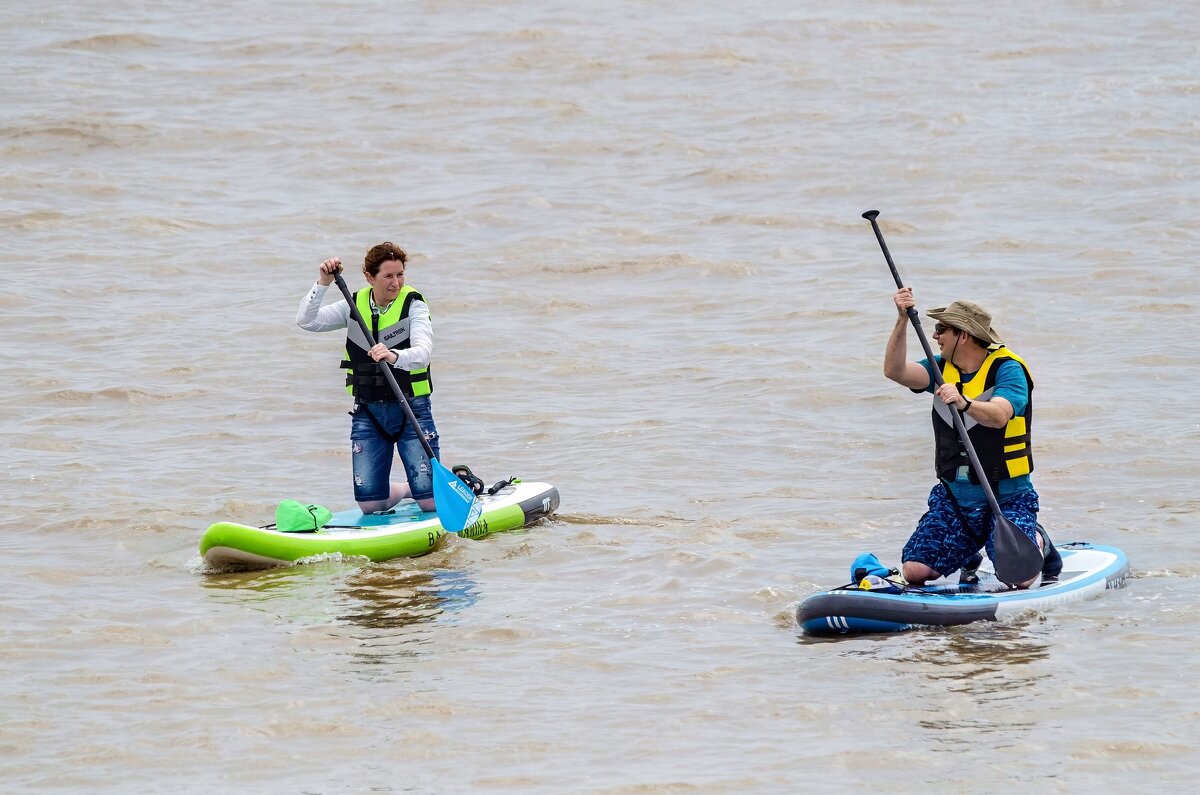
(1018, 558)
(456, 506)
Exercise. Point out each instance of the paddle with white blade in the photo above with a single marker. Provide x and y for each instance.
(1018, 558)
(456, 506)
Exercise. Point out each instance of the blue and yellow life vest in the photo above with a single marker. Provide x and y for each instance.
(364, 380)
(1004, 452)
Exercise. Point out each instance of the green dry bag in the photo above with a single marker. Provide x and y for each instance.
(295, 517)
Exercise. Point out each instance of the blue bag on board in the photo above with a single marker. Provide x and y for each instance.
(865, 565)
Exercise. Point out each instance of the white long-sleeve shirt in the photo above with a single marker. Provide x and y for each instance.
(311, 316)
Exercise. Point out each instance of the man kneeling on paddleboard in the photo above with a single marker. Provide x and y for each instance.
(992, 388)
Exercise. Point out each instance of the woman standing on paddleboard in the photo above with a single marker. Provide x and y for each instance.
(399, 319)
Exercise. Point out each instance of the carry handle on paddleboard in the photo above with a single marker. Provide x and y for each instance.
(455, 504)
(1018, 558)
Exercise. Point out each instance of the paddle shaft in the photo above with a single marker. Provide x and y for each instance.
(1019, 538)
(383, 365)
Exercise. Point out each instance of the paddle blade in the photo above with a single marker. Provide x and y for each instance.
(457, 508)
(1017, 558)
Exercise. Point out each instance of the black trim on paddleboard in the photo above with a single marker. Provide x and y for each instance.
(541, 505)
(894, 609)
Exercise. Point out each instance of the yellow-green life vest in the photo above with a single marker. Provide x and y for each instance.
(365, 381)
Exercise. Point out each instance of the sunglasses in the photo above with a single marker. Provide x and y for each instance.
(942, 328)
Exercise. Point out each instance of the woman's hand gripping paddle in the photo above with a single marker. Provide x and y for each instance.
(1018, 558)
(456, 506)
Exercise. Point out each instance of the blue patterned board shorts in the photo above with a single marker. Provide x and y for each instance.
(944, 545)
(371, 451)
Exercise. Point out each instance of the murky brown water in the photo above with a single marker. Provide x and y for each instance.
(638, 227)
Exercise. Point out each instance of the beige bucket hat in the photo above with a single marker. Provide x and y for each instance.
(970, 317)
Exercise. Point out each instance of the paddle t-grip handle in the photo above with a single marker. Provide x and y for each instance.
(871, 215)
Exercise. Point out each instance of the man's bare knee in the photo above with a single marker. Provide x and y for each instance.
(917, 573)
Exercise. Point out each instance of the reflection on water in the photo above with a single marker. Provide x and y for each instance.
(977, 650)
(964, 680)
(380, 612)
(382, 599)
(981, 678)
(941, 653)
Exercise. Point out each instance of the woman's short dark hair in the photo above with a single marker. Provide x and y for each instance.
(384, 252)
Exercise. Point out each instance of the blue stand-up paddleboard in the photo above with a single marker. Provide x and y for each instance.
(1088, 569)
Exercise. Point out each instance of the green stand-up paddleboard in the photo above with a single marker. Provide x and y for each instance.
(407, 532)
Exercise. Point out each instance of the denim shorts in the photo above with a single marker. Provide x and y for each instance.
(944, 545)
(371, 449)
